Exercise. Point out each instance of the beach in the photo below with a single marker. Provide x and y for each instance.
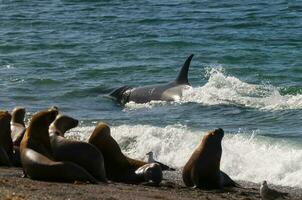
(14, 187)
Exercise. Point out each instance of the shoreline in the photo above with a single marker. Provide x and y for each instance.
(13, 186)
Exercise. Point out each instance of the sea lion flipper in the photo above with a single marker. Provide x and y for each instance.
(182, 77)
(226, 180)
(4, 159)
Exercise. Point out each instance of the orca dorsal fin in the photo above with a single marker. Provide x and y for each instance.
(182, 77)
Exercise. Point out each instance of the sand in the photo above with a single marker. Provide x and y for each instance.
(13, 186)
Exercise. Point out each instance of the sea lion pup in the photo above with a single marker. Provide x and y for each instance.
(151, 172)
(17, 125)
(6, 143)
(82, 153)
(118, 167)
(203, 168)
(36, 153)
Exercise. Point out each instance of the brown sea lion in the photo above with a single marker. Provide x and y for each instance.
(118, 167)
(17, 125)
(18, 129)
(36, 153)
(6, 143)
(82, 153)
(203, 168)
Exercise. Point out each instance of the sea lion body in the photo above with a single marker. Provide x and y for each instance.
(37, 157)
(118, 167)
(81, 153)
(203, 168)
(18, 129)
(6, 143)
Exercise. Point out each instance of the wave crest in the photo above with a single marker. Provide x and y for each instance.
(229, 90)
(222, 89)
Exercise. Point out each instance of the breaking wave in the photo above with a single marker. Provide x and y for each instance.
(246, 156)
(229, 90)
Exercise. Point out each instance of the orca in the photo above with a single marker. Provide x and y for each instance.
(171, 91)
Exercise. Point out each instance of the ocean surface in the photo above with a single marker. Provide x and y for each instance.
(246, 75)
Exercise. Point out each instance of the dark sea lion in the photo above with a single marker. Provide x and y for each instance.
(203, 168)
(6, 143)
(36, 153)
(118, 167)
(17, 125)
(150, 172)
(165, 92)
(82, 153)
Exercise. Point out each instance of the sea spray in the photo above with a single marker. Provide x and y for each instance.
(223, 89)
(229, 90)
(246, 156)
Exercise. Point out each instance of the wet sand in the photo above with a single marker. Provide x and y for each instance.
(13, 186)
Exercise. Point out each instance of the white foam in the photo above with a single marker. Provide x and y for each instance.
(134, 106)
(229, 90)
(245, 156)
(223, 89)
(7, 66)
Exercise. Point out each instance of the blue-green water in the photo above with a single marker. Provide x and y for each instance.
(246, 74)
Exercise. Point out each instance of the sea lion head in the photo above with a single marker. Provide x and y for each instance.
(101, 132)
(18, 115)
(5, 119)
(62, 124)
(101, 138)
(39, 124)
(213, 138)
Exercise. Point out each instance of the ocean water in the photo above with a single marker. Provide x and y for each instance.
(246, 75)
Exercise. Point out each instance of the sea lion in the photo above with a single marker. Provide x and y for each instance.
(36, 153)
(165, 92)
(118, 167)
(150, 172)
(82, 153)
(6, 143)
(203, 168)
(18, 129)
(17, 125)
